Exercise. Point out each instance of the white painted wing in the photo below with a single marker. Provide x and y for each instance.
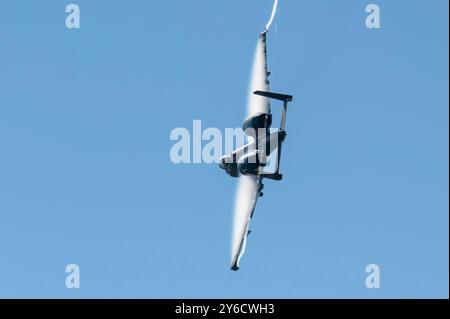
(259, 80)
(249, 186)
(246, 197)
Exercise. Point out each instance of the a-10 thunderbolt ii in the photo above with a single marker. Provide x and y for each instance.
(249, 162)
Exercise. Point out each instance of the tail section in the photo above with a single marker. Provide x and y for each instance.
(285, 99)
(275, 96)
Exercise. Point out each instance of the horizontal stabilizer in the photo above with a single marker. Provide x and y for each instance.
(276, 96)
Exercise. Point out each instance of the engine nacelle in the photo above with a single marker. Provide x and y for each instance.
(256, 122)
(249, 164)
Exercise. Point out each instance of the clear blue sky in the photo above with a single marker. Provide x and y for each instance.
(86, 177)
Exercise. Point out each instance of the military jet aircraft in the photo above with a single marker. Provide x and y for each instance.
(249, 162)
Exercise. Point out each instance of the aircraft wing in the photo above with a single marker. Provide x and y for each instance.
(259, 80)
(249, 186)
(246, 197)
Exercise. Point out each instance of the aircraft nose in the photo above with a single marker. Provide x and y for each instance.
(222, 163)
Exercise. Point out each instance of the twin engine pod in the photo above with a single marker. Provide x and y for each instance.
(246, 161)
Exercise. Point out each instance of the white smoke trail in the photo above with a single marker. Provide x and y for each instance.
(274, 11)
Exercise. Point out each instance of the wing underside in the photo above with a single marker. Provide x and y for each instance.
(246, 197)
(259, 80)
(249, 186)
